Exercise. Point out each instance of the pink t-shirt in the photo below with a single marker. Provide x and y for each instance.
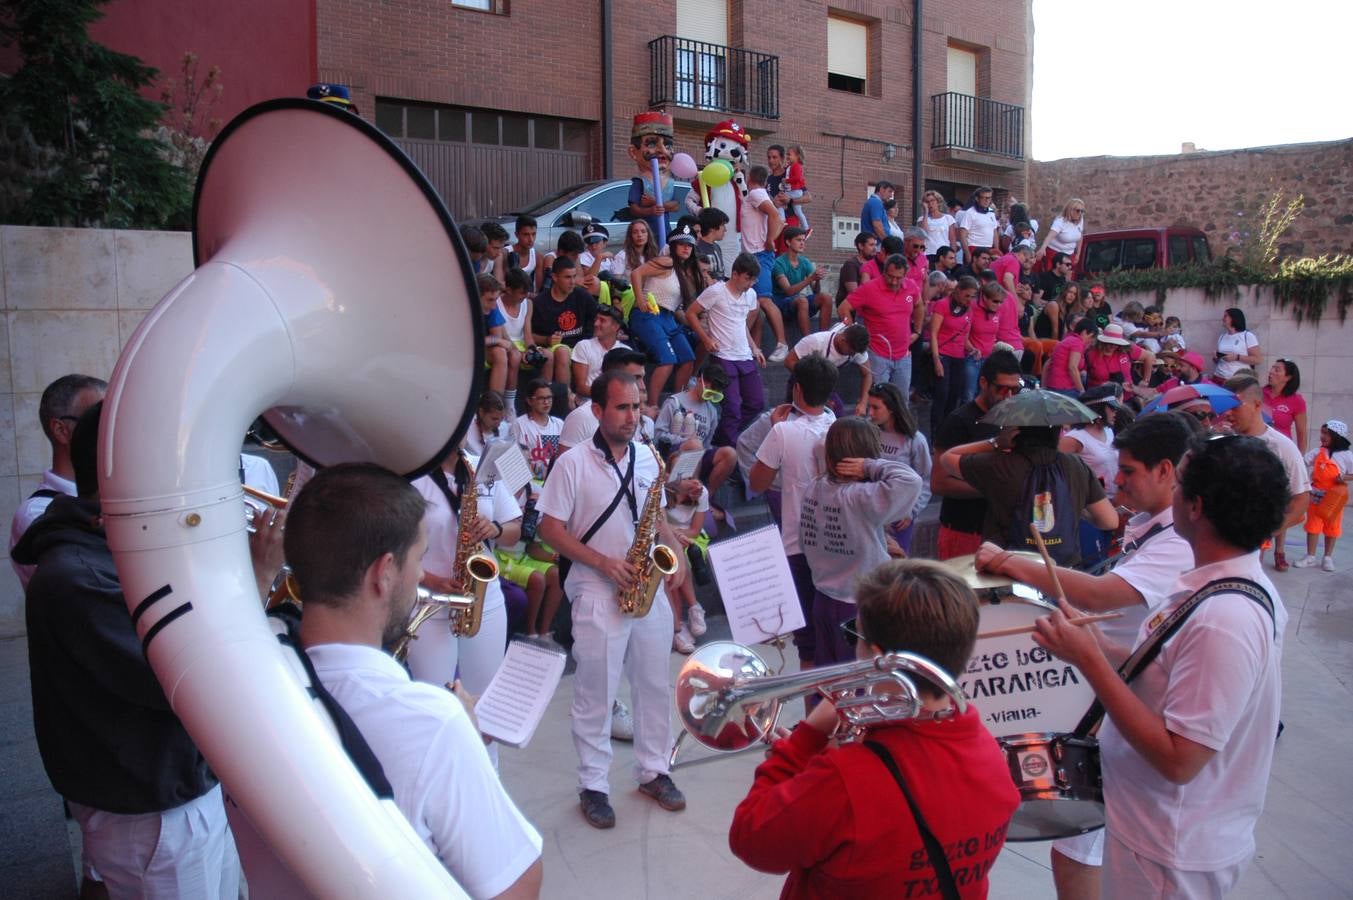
(755, 223)
(1008, 330)
(1057, 374)
(954, 328)
(1007, 263)
(1284, 410)
(1100, 366)
(983, 329)
(871, 268)
(916, 273)
(887, 315)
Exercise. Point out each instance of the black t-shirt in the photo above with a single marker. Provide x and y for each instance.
(1052, 285)
(850, 271)
(962, 427)
(1101, 314)
(573, 316)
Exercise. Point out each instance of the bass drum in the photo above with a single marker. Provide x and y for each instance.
(1060, 788)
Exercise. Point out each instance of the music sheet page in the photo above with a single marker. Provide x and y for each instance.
(514, 702)
(756, 585)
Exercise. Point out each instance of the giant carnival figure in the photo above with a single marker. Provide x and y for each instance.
(652, 192)
(726, 141)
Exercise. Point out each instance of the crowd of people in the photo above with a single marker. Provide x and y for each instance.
(611, 370)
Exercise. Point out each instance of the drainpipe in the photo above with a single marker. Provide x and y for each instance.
(917, 139)
(608, 95)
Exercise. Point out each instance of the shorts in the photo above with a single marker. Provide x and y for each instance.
(517, 567)
(1086, 849)
(956, 543)
(1326, 515)
(661, 336)
(764, 282)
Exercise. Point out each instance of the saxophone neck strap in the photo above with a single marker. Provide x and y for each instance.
(626, 483)
(1150, 648)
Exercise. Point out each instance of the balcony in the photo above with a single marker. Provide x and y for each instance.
(978, 131)
(713, 78)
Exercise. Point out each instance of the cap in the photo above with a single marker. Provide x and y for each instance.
(1337, 427)
(337, 94)
(1107, 393)
(594, 232)
(728, 129)
(1027, 245)
(682, 235)
(652, 122)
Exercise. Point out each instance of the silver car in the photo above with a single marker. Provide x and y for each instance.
(604, 202)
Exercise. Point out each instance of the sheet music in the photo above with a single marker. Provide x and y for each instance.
(756, 585)
(504, 461)
(512, 706)
(686, 465)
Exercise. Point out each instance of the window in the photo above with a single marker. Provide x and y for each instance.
(1139, 253)
(1178, 250)
(1201, 252)
(1102, 256)
(847, 55)
(605, 206)
(516, 130)
(699, 77)
(484, 127)
(456, 125)
(390, 118)
(420, 122)
(451, 126)
(489, 6)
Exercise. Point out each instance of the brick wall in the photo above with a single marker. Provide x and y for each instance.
(545, 63)
(1220, 192)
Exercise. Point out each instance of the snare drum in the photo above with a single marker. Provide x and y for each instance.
(1018, 686)
(1061, 791)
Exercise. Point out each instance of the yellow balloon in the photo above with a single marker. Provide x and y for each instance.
(717, 173)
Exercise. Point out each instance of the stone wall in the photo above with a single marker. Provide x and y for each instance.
(69, 299)
(1220, 192)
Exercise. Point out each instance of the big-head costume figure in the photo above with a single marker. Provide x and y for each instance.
(729, 141)
(652, 143)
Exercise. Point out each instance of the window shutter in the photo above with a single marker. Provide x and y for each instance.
(703, 20)
(847, 48)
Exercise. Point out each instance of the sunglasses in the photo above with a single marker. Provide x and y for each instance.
(1008, 390)
(850, 631)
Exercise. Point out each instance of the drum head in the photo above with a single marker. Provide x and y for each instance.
(1045, 820)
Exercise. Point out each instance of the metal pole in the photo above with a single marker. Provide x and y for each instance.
(917, 139)
(607, 95)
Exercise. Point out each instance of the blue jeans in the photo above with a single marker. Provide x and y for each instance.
(972, 368)
(892, 371)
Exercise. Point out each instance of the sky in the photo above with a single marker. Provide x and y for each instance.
(1142, 77)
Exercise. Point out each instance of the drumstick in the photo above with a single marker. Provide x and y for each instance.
(1047, 561)
(1029, 629)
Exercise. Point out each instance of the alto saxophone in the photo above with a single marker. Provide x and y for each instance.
(651, 560)
(474, 568)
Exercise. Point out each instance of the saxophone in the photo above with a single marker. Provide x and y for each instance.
(652, 560)
(427, 606)
(474, 568)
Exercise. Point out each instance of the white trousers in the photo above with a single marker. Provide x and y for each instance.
(604, 644)
(1127, 875)
(1086, 849)
(185, 852)
(436, 655)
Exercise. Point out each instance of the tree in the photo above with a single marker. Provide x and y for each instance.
(80, 102)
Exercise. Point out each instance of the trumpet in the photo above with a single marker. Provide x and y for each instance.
(727, 699)
(253, 510)
(427, 606)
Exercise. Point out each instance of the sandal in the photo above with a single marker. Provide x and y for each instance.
(1280, 561)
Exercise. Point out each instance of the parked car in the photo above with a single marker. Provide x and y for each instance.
(1143, 248)
(573, 207)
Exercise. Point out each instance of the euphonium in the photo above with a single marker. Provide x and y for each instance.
(428, 605)
(653, 561)
(475, 568)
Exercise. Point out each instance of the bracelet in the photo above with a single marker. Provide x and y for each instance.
(499, 526)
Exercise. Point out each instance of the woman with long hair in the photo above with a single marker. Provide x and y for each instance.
(1064, 236)
(672, 281)
(1072, 301)
(950, 348)
(640, 246)
(1287, 407)
(941, 230)
(901, 441)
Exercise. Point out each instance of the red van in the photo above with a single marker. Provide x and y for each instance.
(1143, 248)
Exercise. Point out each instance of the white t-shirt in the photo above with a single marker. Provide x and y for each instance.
(1239, 344)
(981, 226)
(680, 515)
(259, 474)
(586, 258)
(541, 442)
(792, 448)
(443, 526)
(726, 322)
(582, 423)
(1099, 455)
(590, 353)
(820, 342)
(33, 507)
(755, 223)
(1151, 570)
(1009, 230)
(936, 232)
(1064, 236)
(1298, 479)
(476, 442)
(437, 765)
(578, 491)
(1218, 683)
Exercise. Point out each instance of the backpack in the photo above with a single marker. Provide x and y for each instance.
(1046, 503)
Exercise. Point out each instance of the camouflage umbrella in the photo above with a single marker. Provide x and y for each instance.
(1038, 408)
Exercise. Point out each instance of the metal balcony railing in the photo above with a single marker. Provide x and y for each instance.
(964, 122)
(713, 77)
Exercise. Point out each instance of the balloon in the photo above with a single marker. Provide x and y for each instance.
(717, 173)
(683, 167)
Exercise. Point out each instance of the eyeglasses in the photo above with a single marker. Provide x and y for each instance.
(1008, 390)
(543, 398)
(916, 246)
(850, 631)
(712, 395)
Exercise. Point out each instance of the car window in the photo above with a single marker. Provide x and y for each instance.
(1201, 252)
(602, 206)
(1102, 256)
(1139, 253)
(1178, 250)
(545, 204)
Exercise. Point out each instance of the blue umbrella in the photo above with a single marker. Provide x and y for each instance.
(1219, 398)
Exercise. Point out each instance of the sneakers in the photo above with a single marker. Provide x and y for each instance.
(1327, 564)
(622, 723)
(1280, 561)
(1306, 562)
(662, 790)
(682, 641)
(779, 353)
(596, 808)
(695, 620)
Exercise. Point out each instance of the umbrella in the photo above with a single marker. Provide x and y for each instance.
(1038, 408)
(1219, 398)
